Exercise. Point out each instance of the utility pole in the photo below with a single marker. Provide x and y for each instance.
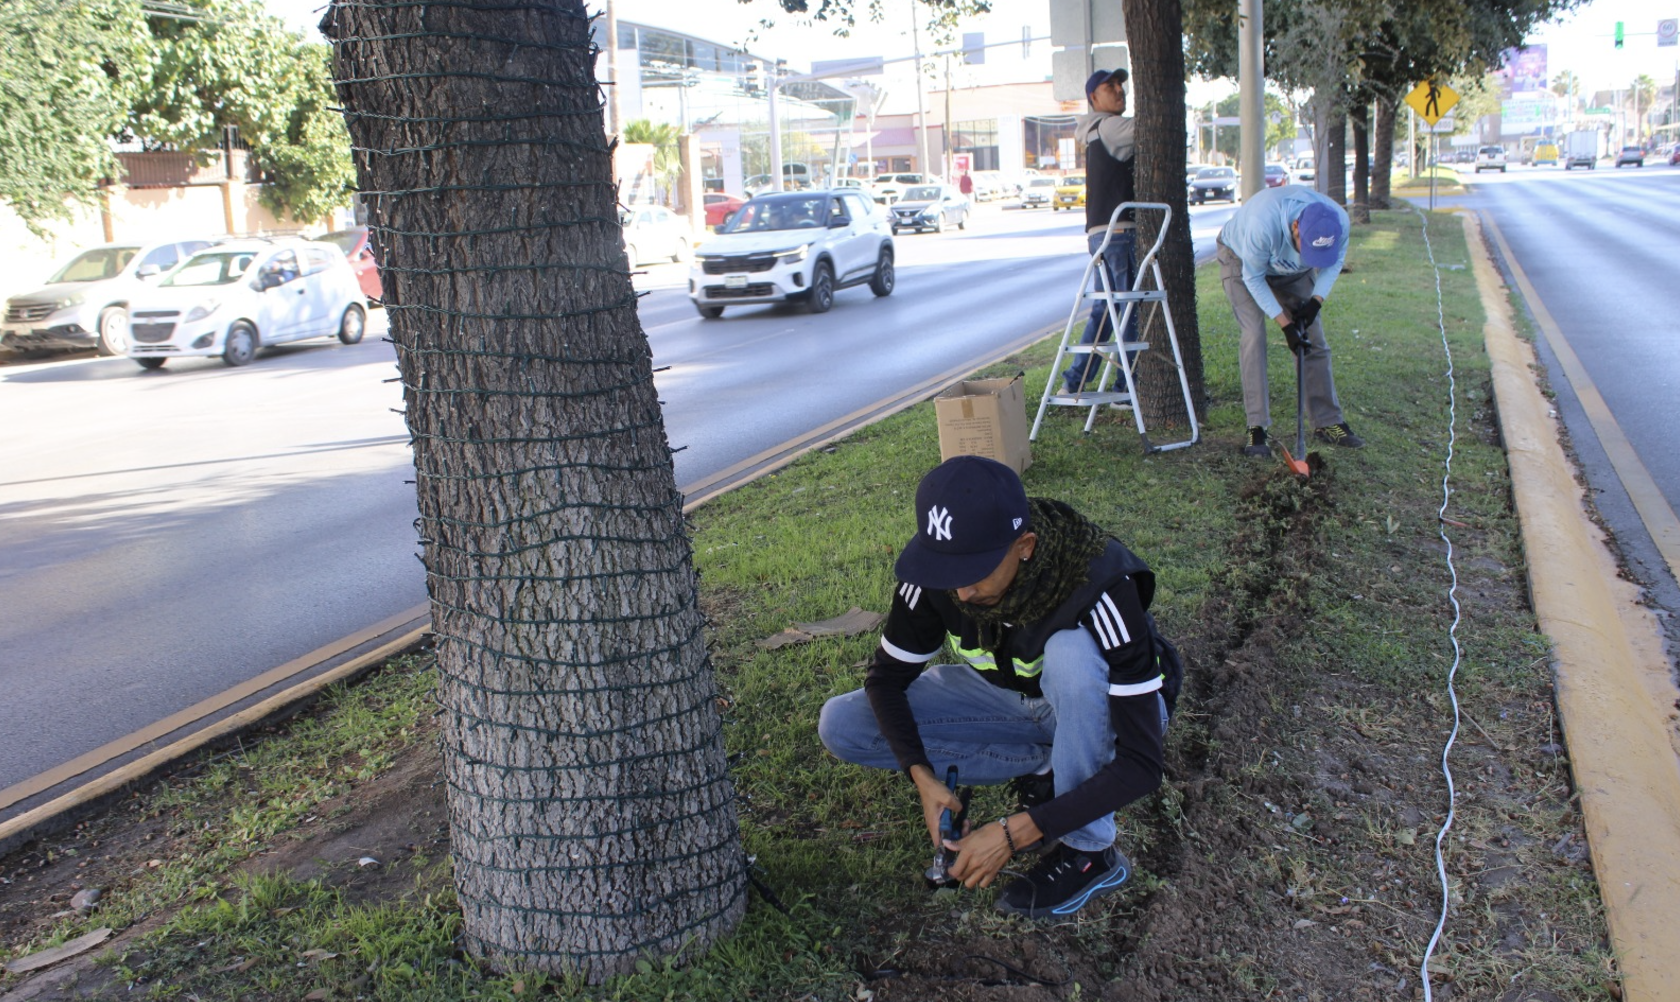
(615, 123)
(1251, 80)
(921, 110)
(945, 132)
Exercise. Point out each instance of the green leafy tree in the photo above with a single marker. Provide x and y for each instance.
(69, 73)
(237, 66)
(667, 158)
(1280, 123)
(1642, 94)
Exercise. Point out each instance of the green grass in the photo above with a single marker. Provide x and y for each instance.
(1349, 566)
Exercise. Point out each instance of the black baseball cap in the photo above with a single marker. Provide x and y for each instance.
(1100, 77)
(970, 511)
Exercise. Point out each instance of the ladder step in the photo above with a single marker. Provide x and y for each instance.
(1091, 398)
(1151, 296)
(1105, 348)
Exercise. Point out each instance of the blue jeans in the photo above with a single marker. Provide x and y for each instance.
(993, 735)
(1122, 273)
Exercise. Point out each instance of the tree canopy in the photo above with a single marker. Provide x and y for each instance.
(86, 72)
(66, 84)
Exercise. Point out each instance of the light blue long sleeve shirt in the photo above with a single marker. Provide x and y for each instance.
(1258, 234)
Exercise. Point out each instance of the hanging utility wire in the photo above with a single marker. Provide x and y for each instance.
(1452, 632)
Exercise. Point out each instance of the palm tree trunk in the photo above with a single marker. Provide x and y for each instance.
(591, 815)
(1155, 31)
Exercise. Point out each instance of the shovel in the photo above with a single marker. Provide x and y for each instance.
(1299, 345)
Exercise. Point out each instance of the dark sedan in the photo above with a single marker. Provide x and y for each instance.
(1214, 184)
(1634, 155)
(1277, 175)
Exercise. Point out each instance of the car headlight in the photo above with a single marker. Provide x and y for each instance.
(793, 256)
(202, 310)
(73, 299)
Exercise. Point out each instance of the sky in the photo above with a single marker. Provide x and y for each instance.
(1581, 41)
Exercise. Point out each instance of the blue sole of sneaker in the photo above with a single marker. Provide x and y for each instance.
(1108, 882)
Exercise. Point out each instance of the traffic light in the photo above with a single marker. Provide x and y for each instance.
(1618, 34)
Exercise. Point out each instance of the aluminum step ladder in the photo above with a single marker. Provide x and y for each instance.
(1116, 385)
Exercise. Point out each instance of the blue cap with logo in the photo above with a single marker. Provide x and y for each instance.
(1322, 236)
(1100, 77)
(971, 509)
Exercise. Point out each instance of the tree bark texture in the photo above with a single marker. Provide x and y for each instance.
(592, 818)
(1155, 30)
(1360, 118)
(1382, 152)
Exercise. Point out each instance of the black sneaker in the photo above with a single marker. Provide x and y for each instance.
(1030, 791)
(1063, 881)
(1339, 434)
(1257, 444)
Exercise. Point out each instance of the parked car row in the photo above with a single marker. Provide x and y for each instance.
(227, 297)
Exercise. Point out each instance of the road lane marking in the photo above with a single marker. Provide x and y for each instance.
(1654, 510)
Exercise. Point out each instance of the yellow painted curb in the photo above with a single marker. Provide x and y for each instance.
(1611, 677)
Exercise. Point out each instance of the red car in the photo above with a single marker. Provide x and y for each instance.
(719, 204)
(358, 247)
(1674, 156)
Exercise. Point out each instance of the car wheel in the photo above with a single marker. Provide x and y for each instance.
(885, 277)
(241, 345)
(151, 363)
(709, 312)
(895, 231)
(352, 325)
(632, 255)
(1501, 170)
(939, 223)
(680, 255)
(962, 223)
(113, 331)
(821, 296)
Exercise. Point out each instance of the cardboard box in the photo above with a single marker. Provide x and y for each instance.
(985, 417)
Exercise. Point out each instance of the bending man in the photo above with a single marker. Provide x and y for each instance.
(1279, 256)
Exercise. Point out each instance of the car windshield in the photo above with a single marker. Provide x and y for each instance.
(1073, 182)
(95, 265)
(1274, 169)
(908, 178)
(212, 268)
(1216, 172)
(921, 193)
(1042, 182)
(1632, 149)
(791, 212)
(345, 240)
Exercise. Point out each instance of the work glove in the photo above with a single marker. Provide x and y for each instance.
(1295, 335)
(1306, 313)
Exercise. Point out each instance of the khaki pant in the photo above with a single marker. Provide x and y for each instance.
(1323, 409)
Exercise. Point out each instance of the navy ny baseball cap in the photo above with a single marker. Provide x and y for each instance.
(1321, 236)
(971, 510)
(1096, 80)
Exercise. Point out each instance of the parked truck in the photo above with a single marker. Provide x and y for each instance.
(1583, 149)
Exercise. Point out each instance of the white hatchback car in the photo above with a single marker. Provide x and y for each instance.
(794, 245)
(237, 297)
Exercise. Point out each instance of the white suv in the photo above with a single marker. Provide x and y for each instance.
(1490, 158)
(794, 245)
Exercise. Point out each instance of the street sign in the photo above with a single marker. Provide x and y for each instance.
(1668, 31)
(1444, 125)
(1432, 100)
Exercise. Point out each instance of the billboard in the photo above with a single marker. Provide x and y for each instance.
(1522, 72)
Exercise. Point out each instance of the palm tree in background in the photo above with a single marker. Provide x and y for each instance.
(1643, 93)
(667, 159)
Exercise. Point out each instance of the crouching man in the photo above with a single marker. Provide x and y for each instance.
(1063, 689)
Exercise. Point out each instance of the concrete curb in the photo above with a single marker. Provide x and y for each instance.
(1614, 693)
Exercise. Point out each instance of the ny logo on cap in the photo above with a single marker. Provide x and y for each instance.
(939, 523)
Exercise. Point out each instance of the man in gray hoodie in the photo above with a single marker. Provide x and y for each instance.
(1109, 148)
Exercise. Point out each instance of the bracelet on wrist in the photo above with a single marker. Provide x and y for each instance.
(1004, 822)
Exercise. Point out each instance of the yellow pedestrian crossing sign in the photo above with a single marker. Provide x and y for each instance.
(1432, 100)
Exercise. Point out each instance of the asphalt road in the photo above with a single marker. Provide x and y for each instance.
(166, 535)
(1599, 250)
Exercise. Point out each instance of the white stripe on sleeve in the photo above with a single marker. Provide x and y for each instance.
(898, 653)
(1135, 690)
(1105, 629)
(911, 595)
